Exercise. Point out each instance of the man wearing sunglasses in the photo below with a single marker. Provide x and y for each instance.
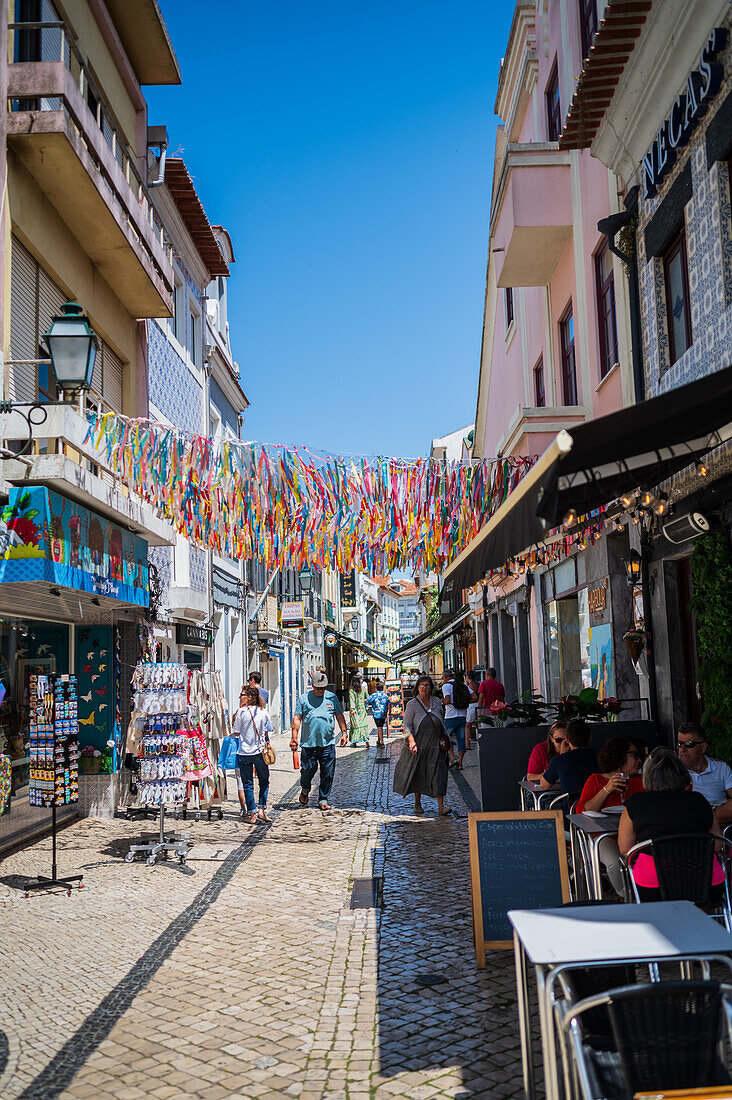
(712, 778)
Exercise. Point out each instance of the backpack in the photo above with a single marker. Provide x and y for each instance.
(460, 695)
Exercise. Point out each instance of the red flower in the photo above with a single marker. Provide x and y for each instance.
(26, 529)
(497, 706)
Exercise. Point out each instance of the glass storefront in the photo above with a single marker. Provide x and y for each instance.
(27, 646)
(569, 645)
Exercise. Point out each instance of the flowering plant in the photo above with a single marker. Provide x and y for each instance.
(89, 750)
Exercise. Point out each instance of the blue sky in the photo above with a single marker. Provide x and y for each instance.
(348, 150)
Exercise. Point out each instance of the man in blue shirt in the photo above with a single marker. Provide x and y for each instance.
(573, 767)
(380, 710)
(316, 714)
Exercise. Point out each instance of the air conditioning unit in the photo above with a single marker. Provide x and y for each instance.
(683, 528)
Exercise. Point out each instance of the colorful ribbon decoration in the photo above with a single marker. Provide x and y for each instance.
(291, 507)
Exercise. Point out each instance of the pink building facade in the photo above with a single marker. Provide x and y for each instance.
(556, 352)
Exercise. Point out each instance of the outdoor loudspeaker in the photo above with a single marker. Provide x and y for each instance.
(685, 527)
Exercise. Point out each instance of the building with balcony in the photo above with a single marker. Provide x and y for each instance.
(77, 222)
(556, 350)
(227, 404)
(179, 396)
(660, 117)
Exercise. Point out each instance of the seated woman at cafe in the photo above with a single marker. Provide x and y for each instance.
(542, 753)
(619, 762)
(667, 806)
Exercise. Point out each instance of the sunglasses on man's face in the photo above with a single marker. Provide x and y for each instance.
(688, 744)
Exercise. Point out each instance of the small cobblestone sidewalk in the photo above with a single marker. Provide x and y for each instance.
(246, 973)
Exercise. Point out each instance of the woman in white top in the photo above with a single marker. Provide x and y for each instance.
(252, 725)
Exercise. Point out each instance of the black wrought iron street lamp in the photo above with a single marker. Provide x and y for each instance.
(72, 347)
(633, 567)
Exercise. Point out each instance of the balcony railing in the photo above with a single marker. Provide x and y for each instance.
(48, 46)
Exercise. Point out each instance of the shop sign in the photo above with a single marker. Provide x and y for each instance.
(597, 599)
(267, 617)
(192, 634)
(226, 589)
(292, 615)
(702, 84)
(47, 537)
(348, 589)
(331, 640)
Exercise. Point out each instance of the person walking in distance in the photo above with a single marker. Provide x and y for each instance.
(380, 710)
(316, 714)
(472, 681)
(457, 699)
(255, 681)
(491, 689)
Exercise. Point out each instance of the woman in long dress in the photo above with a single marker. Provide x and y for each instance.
(359, 724)
(422, 765)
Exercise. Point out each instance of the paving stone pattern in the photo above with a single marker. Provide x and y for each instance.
(245, 973)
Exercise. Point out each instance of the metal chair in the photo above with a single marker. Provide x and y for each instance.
(663, 1035)
(567, 803)
(684, 864)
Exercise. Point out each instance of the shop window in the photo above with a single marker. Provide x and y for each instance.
(539, 391)
(509, 307)
(588, 24)
(569, 363)
(553, 106)
(573, 665)
(606, 321)
(678, 306)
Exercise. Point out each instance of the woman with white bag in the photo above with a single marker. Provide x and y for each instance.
(254, 753)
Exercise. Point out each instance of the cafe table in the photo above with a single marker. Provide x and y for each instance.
(555, 940)
(587, 830)
(533, 797)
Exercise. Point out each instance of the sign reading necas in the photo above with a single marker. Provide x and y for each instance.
(702, 84)
(292, 615)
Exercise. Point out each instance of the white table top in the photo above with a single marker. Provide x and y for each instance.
(535, 786)
(606, 933)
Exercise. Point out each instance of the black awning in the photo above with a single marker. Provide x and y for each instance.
(594, 464)
(362, 646)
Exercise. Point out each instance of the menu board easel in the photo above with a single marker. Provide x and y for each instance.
(393, 689)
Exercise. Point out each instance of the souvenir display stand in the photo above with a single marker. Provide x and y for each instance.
(162, 736)
(53, 731)
(210, 714)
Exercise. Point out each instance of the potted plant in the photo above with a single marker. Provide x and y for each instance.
(635, 640)
(90, 760)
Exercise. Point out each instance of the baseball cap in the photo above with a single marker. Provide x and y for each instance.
(319, 679)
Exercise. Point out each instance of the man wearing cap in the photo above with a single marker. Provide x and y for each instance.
(314, 722)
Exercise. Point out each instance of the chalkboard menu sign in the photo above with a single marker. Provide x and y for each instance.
(393, 689)
(518, 860)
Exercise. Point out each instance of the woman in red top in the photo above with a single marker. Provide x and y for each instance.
(620, 763)
(542, 753)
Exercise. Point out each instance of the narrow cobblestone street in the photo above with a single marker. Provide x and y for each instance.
(246, 972)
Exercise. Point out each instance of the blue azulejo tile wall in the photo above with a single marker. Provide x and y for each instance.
(708, 224)
(174, 389)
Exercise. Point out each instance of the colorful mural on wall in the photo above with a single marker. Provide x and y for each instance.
(45, 536)
(601, 660)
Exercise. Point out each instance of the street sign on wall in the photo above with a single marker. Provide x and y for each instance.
(267, 617)
(292, 615)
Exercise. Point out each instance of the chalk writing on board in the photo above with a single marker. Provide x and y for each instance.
(519, 868)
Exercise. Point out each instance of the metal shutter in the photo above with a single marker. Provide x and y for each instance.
(23, 270)
(50, 300)
(113, 378)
